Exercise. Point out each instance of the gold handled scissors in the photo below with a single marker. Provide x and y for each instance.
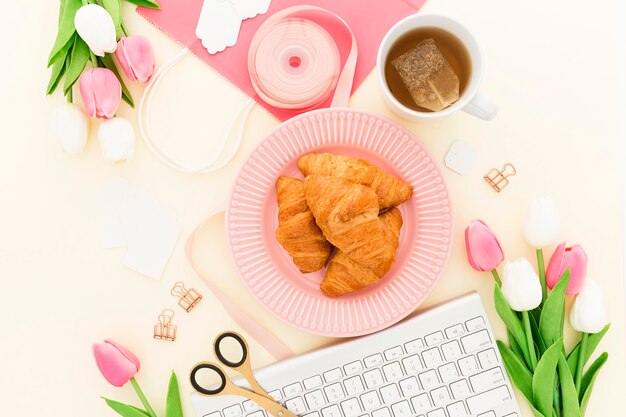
(227, 387)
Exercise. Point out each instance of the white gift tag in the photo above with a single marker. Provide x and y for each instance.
(218, 26)
(248, 9)
(461, 157)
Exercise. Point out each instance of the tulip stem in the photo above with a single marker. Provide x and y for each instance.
(496, 276)
(582, 353)
(542, 275)
(69, 95)
(529, 340)
(124, 29)
(142, 397)
(94, 60)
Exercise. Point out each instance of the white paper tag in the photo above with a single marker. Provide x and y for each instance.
(248, 9)
(461, 157)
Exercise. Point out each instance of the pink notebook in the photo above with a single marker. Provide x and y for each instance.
(368, 19)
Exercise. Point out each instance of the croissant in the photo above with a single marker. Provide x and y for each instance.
(345, 275)
(347, 213)
(297, 231)
(390, 190)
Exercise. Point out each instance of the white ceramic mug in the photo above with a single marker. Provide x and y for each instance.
(471, 100)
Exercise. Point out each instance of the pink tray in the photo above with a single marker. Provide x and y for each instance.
(267, 269)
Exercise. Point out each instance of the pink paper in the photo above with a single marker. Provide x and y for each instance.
(368, 19)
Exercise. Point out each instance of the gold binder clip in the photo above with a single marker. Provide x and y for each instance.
(498, 179)
(187, 299)
(164, 329)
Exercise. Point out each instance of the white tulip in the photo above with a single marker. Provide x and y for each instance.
(588, 314)
(95, 26)
(70, 125)
(117, 139)
(543, 225)
(520, 285)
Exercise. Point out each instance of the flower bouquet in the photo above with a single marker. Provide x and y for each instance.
(554, 381)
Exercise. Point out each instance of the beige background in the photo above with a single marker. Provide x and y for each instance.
(551, 67)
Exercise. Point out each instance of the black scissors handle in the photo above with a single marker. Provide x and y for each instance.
(207, 365)
(242, 343)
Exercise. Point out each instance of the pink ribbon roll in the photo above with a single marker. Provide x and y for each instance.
(294, 61)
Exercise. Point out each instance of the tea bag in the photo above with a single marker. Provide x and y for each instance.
(428, 76)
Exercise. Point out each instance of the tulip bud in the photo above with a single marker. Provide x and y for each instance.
(588, 314)
(116, 363)
(543, 226)
(520, 285)
(101, 92)
(117, 139)
(95, 26)
(71, 127)
(136, 57)
(483, 249)
(563, 258)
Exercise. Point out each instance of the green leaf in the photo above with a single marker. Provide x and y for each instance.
(58, 69)
(519, 373)
(553, 311)
(543, 379)
(145, 3)
(108, 63)
(173, 407)
(515, 347)
(78, 60)
(66, 30)
(537, 338)
(589, 378)
(125, 410)
(568, 389)
(115, 10)
(511, 321)
(592, 342)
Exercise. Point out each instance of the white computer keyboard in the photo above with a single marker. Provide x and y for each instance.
(441, 363)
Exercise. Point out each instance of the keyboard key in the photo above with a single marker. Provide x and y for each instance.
(334, 392)
(373, 378)
(412, 364)
(296, 405)
(249, 405)
(511, 415)
(488, 400)
(432, 357)
(437, 413)
(332, 375)
(487, 358)
(213, 414)
(454, 331)
(393, 353)
(413, 346)
(315, 399)
(451, 350)
(440, 396)
(233, 411)
(373, 360)
(393, 371)
(429, 379)
(390, 393)
(492, 414)
(332, 411)
(475, 324)
(448, 372)
(457, 409)
(401, 409)
(258, 413)
(353, 386)
(276, 395)
(353, 368)
(409, 386)
(487, 380)
(460, 389)
(468, 365)
(313, 382)
(383, 412)
(313, 414)
(351, 407)
(476, 341)
(293, 389)
(433, 338)
(421, 403)
(370, 400)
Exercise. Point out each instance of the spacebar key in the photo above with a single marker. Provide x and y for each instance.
(488, 400)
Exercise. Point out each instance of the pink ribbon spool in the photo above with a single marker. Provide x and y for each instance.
(294, 62)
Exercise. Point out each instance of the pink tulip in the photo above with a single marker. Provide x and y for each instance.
(101, 92)
(483, 249)
(563, 258)
(136, 58)
(116, 363)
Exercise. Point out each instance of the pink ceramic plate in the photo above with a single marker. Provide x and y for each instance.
(267, 269)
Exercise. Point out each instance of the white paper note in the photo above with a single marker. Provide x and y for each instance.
(461, 157)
